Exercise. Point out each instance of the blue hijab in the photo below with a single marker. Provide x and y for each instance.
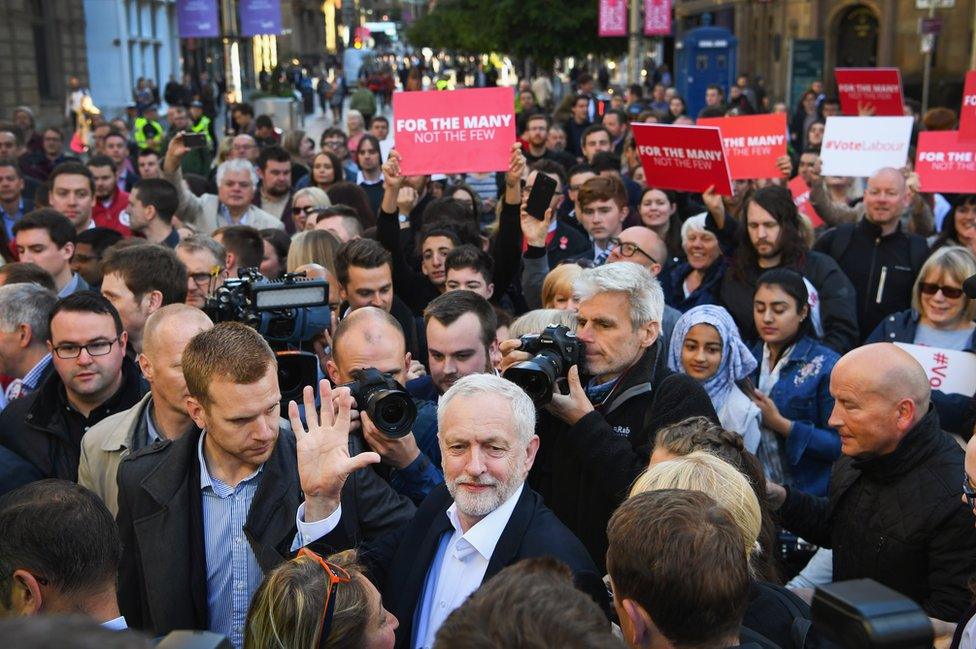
(737, 361)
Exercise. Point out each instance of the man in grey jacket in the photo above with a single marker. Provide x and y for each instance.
(237, 182)
(160, 415)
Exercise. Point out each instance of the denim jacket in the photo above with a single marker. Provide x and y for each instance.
(802, 395)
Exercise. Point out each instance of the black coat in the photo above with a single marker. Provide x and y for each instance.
(585, 471)
(409, 285)
(898, 519)
(163, 573)
(397, 563)
(881, 268)
(36, 427)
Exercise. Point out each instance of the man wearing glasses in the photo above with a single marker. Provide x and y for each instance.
(204, 259)
(895, 511)
(92, 379)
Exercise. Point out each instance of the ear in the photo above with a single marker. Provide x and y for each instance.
(149, 212)
(638, 622)
(530, 450)
(332, 369)
(343, 296)
(26, 335)
(196, 412)
(146, 367)
(68, 251)
(123, 339)
(154, 300)
(655, 269)
(624, 211)
(229, 260)
(491, 290)
(407, 359)
(649, 332)
(25, 594)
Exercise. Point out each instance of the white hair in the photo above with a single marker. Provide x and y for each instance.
(643, 291)
(695, 223)
(522, 408)
(29, 304)
(237, 164)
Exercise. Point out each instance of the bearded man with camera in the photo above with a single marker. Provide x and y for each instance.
(598, 437)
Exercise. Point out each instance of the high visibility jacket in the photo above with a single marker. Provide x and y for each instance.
(139, 133)
(203, 126)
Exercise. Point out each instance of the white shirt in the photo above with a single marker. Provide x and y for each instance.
(463, 562)
(116, 624)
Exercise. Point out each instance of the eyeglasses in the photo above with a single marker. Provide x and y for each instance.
(97, 348)
(950, 292)
(628, 249)
(970, 494)
(337, 575)
(205, 278)
(309, 209)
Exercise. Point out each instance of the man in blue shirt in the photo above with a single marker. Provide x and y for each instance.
(203, 517)
(13, 204)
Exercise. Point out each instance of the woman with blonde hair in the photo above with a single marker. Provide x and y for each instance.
(304, 204)
(774, 612)
(557, 288)
(313, 247)
(312, 603)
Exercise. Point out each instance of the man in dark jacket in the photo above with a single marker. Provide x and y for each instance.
(772, 239)
(894, 511)
(599, 437)
(93, 379)
(201, 518)
(877, 255)
(482, 519)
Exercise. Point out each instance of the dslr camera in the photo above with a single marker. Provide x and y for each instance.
(388, 405)
(555, 350)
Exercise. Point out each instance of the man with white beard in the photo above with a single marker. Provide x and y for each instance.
(482, 519)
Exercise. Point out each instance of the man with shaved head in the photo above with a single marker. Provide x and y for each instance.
(894, 511)
(876, 253)
(370, 337)
(160, 415)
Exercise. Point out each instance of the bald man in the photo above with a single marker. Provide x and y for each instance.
(876, 253)
(370, 337)
(643, 246)
(161, 415)
(894, 511)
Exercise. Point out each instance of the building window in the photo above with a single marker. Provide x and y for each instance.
(41, 59)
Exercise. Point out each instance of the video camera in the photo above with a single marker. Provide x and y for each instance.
(388, 405)
(863, 614)
(286, 312)
(556, 350)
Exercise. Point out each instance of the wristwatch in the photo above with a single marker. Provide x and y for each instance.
(403, 218)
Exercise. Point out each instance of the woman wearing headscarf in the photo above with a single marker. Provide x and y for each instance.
(706, 346)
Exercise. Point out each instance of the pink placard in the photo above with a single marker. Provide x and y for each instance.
(657, 17)
(613, 18)
(967, 113)
(945, 163)
(752, 143)
(455, 131)
(863, 88)
(684, 158)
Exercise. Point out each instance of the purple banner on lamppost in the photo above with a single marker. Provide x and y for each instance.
(197, 18)
(260, 17)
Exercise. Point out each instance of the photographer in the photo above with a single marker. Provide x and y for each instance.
(597, 438)
(371, 338)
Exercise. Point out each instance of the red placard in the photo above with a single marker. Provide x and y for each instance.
(945, 163)
(657, 17)
(613, 18)
(684, 158)
(967, 114)
(455, 131)
(864, 88)
(752, 143)
(801, 198)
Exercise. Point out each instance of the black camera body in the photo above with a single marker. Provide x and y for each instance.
(388, 405)
(555, 350)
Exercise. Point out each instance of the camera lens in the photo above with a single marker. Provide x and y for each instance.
(392, 411)
(536, 376)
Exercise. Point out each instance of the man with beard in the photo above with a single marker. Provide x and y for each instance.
(772, 239)
(482, 519)
(536, 135)
(110, 201)
(274, 170)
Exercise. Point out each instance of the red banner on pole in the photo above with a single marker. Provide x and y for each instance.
(752, 143)
(967, 114)
(657, 17)
(454, 131)
(870, 88)
(613, 18)
(684, 158)
(945, 163)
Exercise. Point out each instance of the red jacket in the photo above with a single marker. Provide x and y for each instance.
(108, 217)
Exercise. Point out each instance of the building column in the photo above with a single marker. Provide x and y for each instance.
(888, 32)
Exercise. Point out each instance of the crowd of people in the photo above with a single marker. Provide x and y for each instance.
(736, 429)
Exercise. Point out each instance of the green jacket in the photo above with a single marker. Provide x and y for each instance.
(363, 101)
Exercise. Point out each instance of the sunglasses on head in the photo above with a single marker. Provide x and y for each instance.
(951, 292)
(337, 575)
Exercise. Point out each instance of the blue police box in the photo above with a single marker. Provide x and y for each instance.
(703, 56)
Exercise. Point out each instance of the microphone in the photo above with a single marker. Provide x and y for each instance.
(969, 287)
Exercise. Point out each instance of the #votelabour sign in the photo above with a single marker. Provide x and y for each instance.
(684, 158)
(454, 131)
(752, 143)
(859, 146)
